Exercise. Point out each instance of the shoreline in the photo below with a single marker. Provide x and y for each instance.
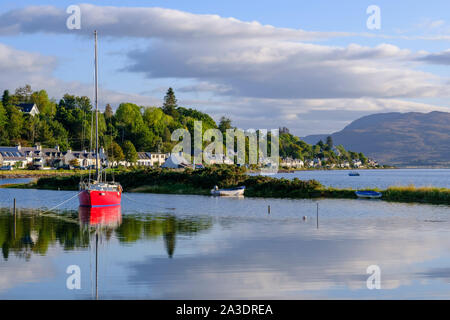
(402, 194)
(21, 174)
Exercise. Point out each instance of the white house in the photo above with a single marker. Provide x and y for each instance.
(151, 159)
(29, 108)
(11, 156)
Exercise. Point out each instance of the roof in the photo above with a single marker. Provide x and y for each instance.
(175, 161)
(26, 107)
(11, 155)
(144, 155)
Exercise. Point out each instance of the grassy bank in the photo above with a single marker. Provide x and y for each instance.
(202, 181)
(15, 174)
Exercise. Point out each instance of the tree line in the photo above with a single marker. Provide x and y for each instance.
(131, 128)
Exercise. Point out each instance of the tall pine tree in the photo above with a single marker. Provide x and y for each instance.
(170, 103)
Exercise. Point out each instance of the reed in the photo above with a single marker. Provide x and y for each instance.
(202, 181)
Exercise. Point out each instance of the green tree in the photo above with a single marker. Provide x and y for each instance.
(115, 152)
(329, 142)
(129, 152)
(108, 112)
(44, 104)
(224, 124)
(23, 94)
(15, 123)
(170, 103)
(74, 163)
(6, 98)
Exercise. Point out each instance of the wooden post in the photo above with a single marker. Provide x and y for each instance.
(14, 206)
(268, 209)
(317, 215)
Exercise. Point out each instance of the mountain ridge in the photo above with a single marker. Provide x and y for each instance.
(395, 138)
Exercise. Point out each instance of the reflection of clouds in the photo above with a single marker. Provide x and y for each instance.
(253, 261)
(17, 272)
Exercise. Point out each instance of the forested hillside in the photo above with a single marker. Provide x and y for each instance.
(131, 128)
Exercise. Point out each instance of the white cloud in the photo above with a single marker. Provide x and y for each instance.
(24, 67)
(147, 23)
(259, 75)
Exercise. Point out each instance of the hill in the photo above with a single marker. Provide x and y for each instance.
(401, 139)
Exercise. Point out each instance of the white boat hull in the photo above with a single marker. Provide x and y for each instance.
(228, 193)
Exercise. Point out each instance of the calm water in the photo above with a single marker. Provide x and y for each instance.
(189, 247)
(381, 178)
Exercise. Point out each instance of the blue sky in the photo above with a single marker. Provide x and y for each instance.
(315, 80)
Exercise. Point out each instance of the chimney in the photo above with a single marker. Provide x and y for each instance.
(38, 146)
(19, 146)
(57, 148)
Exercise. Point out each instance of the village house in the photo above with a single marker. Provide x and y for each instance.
(29, 108)
(40, 157)
(11, 157)
(292, 163)
(151, 159)
(356, 163)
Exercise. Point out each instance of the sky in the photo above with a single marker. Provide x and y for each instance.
(310, 66)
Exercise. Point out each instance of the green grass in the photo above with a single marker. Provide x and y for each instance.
(202, 181)
(36, 172)
(417, 194)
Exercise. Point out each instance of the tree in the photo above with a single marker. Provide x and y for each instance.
(170, 103)
(74, 163)
(363, 158)
(115, 152)
(129, 152)
(23, 94)
(6, 98)
(43, 103)
(330, 142)
(15, 123)
(224, 124)
(108, 112)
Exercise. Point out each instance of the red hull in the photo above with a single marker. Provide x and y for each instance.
(100, 216)
(94, 198)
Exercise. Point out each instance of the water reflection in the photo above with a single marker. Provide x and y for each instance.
(28, 232)
(104, 217)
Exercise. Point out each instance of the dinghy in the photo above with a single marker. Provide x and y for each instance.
(232, 192)
(353, 174)
(368, 194)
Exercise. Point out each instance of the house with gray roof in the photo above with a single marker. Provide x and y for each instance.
(28, 108)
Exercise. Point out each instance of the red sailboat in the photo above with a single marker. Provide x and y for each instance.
(99, 192)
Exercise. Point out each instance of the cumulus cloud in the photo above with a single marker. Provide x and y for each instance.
(24, 67)
(144, 22)
(442, 57)
(256, 74)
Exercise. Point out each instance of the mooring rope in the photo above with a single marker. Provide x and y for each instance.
(61, 203)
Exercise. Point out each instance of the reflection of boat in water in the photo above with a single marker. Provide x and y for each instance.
(368, 194)
(109, 217)
(354, 174)
(99, 218)
(231, 192)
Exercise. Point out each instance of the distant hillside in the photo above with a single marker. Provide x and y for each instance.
(402, 139)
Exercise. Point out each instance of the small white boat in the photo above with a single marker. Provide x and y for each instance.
(232, 192)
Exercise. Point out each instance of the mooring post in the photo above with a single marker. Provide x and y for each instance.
(14, 206)
(268, 209)
(317, 215)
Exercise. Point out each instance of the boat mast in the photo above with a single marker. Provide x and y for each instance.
(97, 172)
